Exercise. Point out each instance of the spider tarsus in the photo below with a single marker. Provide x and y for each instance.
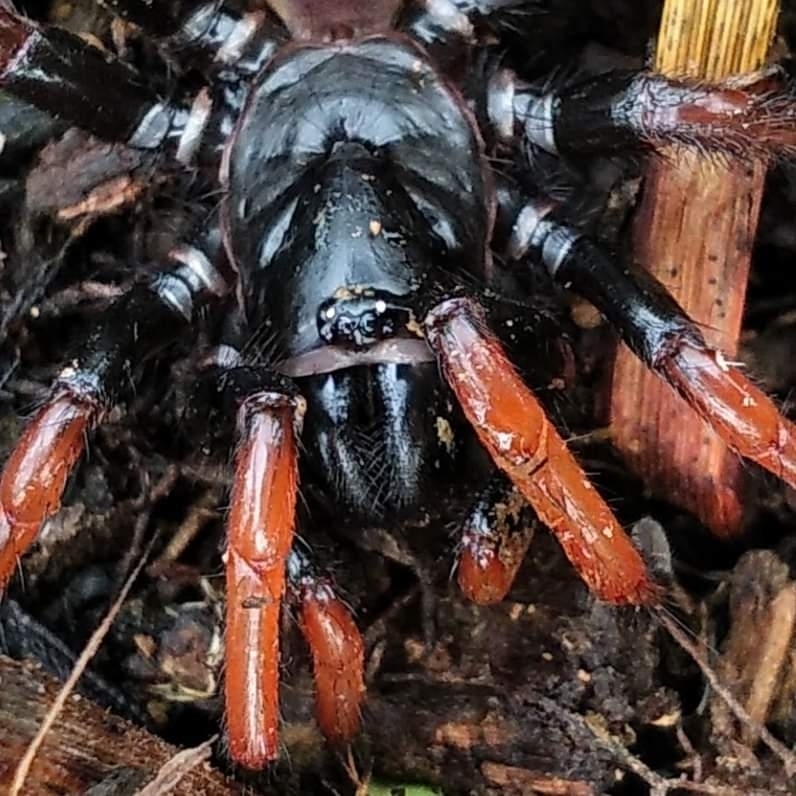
(15, 31)
(259, 536)
(735, 117)
(522, 442)
(741, 413)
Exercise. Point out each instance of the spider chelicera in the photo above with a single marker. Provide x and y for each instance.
(359, 220)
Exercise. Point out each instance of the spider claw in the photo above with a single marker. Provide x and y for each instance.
(35, 474)
(743, 415)
(338, 655)
(513, 428)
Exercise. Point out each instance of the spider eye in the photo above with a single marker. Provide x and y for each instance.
(360, 318)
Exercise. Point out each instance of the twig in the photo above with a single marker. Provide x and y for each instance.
(777, 747)
(89, 651)
(172, 771)
(143, 507)
(202, 511)
(359, 781)
(659, 785)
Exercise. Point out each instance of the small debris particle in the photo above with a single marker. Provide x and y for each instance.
(547, 656)
(374, 227)
(667, 719)
(517, 610)
(145, 644)
(584, 676)
(445, 432)
(414, 649)
(35, 312)
(414, 327)
(721, 362)
(586, 315)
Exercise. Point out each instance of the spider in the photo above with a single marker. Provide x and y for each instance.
(363, 224)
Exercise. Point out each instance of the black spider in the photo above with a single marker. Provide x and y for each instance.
(366, 233)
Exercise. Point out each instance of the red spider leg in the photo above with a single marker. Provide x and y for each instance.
(622, 111)
(742, 414)
(495, 537)
(338, 651)
(135, 326)
(259, 536)
(35, 475)
(667, 340)
(514, 429)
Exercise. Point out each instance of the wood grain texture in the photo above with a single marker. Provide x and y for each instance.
(87, 745)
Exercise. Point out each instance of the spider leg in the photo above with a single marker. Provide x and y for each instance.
(653, 326)
(210, 19)
(219, 37)
(523, 443)
(338, 650)
(494, 539)
(621, 111)
(62, 75)
(259, 537)
(438, 24)
(137, 325)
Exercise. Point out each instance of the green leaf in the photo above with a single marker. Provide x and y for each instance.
(386, 789)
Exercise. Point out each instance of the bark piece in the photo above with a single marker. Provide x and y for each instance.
(87, 746)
